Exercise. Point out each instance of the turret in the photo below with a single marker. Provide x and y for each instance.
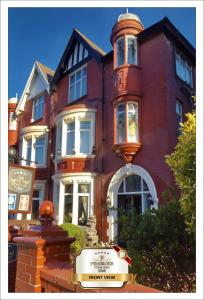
(127, 86)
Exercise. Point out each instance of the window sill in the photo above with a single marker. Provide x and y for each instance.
(75, 156)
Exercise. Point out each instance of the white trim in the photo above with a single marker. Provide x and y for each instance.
(112, 194)
(24, 96)
(75, 179)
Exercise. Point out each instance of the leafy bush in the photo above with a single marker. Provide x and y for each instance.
(79, 234)
(162, 250)
(183, 164)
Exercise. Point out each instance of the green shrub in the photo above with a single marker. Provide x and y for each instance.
(162, 250)
(79, 234)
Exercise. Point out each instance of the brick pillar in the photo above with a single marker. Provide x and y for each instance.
(38, 245)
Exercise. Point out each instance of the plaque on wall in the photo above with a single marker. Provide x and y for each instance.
(20, 185)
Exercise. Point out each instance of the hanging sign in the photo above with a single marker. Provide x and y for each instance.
(20, 189)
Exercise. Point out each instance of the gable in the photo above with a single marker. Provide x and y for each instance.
(78, 50)
(78, 54)
(37, 85)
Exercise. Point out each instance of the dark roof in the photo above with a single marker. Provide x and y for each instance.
(92, 48)
(170, 31)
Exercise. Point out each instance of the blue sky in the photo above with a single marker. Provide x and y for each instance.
(42, 33)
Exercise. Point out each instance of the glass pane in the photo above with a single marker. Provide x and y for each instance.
(72, 92)
(72, 79)
(132, 122)
(78, 89)
(68, 202)
(84, 71)
(84, 142)
(69, 188)
(35, 207)
(121, 188)
(120, 51)
(40, 141)
(84, 85)
(85, 124)
(83, 210)
(70, 142)
(131, 55)
(121, 123)
(145, 202)
(133, 183)
(39, 153)
(78, 75)
(83, 188)
(71, 126)
(145, 186)
(36, 193)
(28, 154)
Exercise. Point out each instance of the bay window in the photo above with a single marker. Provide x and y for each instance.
(78, 83)
(38, 105)
(74, 194)
(127, 123)
(75, 133)
(33, 145)
(183, 69)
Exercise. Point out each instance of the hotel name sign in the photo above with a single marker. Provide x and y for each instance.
(20, 190)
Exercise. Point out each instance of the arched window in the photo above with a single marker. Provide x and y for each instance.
(133, 195)
(127, 123)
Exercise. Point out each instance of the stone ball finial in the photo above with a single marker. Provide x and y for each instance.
(46, 212)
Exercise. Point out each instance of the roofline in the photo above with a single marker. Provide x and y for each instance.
(171, 31)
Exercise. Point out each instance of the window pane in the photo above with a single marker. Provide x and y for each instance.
(83, 188)
(85, 124)
(84, 85)
(28, 154)
(35, 207)
(121, 188)
(145, 202)
(70, 126)
(132, 122)
(120, 51)
(145, 186)
(40, 141)
(39, 153)
(69, 188)
(70, 142)
(68, 202)
(120, 123)
(133, 183)
(131, 51)
(85, 142)
(36, 193)
(84, 72)
(83, 210)
(72, 92)
(78, 89)
(72, 79)
(78, 75)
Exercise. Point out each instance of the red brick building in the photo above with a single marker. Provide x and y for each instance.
(97, 129)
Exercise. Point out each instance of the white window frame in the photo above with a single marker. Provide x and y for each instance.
(76, 116)
(75, 179)
(74, 73)
(36, 99)
(136, 49)
(32, 133)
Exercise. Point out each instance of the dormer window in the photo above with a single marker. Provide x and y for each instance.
(126, 51)
(78, 83)
(38, 105)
